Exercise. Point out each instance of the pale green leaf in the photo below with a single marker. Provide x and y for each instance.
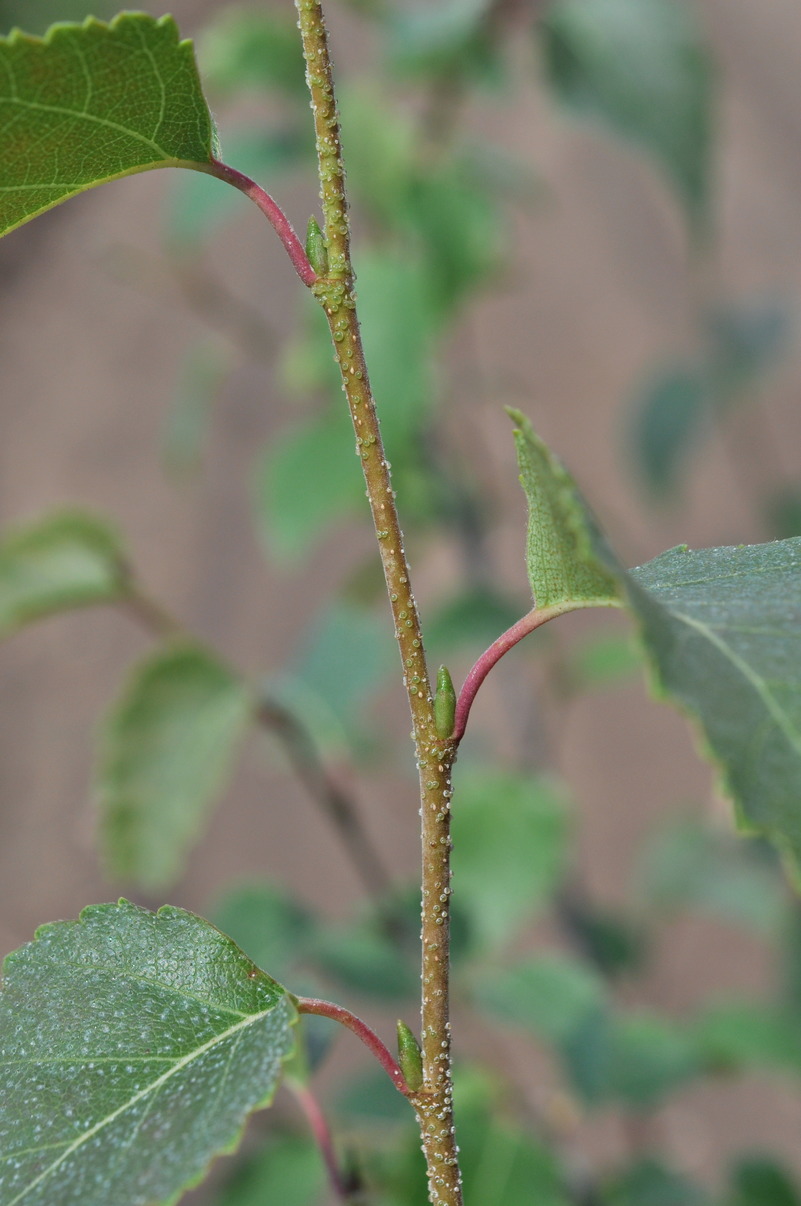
(640, 68)
(133, 1046)
(567, 563)
(511, 835)
(62, 561)
(94, 102)
(723, 629)
(166, 749)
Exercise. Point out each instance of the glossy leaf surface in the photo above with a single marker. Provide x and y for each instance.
(166, 750)
(154, 1035)
(91, 103)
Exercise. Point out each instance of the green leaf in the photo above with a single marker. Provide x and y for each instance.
(647, 1182)
(134, 1046)
(308, 479)
(723, 629)
(94, 102)
(761, 1181)
(242, 49)
(62, 561)
(511, 836)
(602, 661)
(37, 15)
(165, 752)
(189, 415)
(472, 618)
(737, 1035)
(268, 924)
(639, 68)
(288, 1171)
(669, 419)
(550, 994)
(648, 1058)
(567, 562)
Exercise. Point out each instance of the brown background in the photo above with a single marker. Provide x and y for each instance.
(602, 289)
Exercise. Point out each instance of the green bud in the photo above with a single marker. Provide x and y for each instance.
(316, 248)
(444, 703)
(410, 1057)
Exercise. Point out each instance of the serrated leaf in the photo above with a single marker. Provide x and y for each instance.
(63, 561)
(165, 752)
(723, 629)
(640, 68)
(566, 560)
(133, 1046)
(91, 103)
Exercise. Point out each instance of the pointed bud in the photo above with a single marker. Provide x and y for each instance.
(444, 704)
(410, 1057)
(316, 248)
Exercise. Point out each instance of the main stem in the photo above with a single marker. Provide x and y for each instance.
(435, 757)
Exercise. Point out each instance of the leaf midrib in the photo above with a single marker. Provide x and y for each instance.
(780, 718)
(151, 1088)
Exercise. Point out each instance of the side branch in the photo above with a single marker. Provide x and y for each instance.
(272, 211)
(337, 1013)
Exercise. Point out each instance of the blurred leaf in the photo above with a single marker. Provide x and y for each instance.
(567, 561)
(396, 311)
(287, 1169)
(761, 1181)
(640, 68)
(511, 837)
(668, 421)
(649, 1057)
(442, 39)
(382, 147)
(737, 1035)
(359, 958)
(647, 1182)
(783, 512)
(549, 994)
(308, 479)
(246, 48)
(66, 560)
(610, 941)
(36, 16)
(268, 924)
(745, 340)
(92, 103)
(166, 749)
(154, 1034)
(688, 865)
(602, 661)
(473, 618)
(203, 372)
(723, 630)
(197, 204)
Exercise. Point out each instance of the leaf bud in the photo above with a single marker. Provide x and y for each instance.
(410, 1057)
(444, 704)
(316, 247)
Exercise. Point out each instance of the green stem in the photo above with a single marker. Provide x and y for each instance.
(434, 756)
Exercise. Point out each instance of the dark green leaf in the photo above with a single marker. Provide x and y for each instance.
(761, 1181)
(567, 561)
(639, 67)
(63, 561)
(511, 837)
(668, 420)
(649, 1057)
(783, 512)
(612, 943)
(723, 629)
(94, 102)
(166, 749)
(471, 619)
(359, 958)
(741, 1034)
(135, 1045)
(602, 661)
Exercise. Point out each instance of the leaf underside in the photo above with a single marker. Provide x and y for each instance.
(91, 103)
(723, 630)
(133, 1046)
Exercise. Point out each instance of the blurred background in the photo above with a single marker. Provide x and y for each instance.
(585, 210)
